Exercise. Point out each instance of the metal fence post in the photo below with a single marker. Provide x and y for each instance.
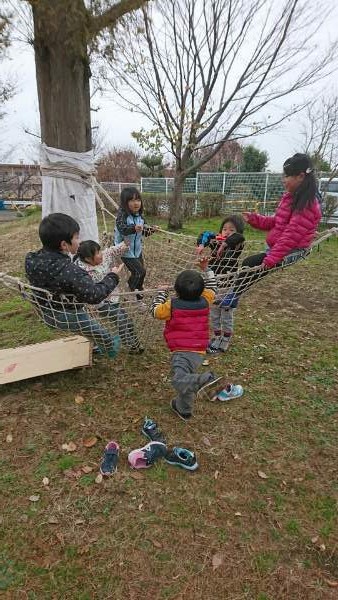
(141, 190)
(265, 192)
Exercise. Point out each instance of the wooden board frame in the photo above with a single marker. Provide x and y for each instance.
(34, 360)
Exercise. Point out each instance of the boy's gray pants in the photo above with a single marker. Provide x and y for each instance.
(185, 380)
(222, 319)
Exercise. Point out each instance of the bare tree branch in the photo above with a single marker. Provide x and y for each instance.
(111, 15)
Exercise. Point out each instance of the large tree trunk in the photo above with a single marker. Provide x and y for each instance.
(63, 73)
(176, 208)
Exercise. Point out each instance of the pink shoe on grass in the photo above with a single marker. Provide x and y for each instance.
(145, 457)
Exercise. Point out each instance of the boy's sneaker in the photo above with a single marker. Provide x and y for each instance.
(230, 392)
(145, 457)
(229, 301)
(109, 461)
(214, 345)
(224, 343)
(151, 431)
(116, 347)
(184, 416)
(181, 457)
(210, 390)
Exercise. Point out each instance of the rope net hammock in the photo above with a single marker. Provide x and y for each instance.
(124, 320)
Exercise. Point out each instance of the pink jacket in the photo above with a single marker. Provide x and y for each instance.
(287, 230)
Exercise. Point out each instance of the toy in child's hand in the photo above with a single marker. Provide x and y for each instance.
(220, 238)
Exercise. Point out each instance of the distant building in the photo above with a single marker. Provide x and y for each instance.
(20, 181)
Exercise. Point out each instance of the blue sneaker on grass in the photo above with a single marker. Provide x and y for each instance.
(181, 457)
(230, 392)
(151, 431)
(109, 461)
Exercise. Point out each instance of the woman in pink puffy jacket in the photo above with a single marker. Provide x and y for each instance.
(290, 230)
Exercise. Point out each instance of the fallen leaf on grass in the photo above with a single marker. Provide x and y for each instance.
(157, 544)
(136, 475)
(60, 538)
(53, 520)
(70, 447)
(314, 540)
(79, 400)
(322, 547)
(238, 514)
(84, 550)
(87, 469)
(217, 560)
(236, 457)
(216, 474)
(99, 478)
(9, 438)
(45, 481)
(73, 473)
(89, 442)
(79, 522)
(331, 583)
(205, 363)
(34, 498)
(206, 441)
(262, 475)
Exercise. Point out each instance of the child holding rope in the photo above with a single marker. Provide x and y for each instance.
(130, 226)
(226, 248)
(97, 263)
(290, 230)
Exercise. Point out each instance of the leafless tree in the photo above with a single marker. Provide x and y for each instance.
(320, 135)
(320, 132)
(7, 86)
(213, 67)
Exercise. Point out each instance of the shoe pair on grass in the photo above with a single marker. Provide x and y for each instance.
(145, 457)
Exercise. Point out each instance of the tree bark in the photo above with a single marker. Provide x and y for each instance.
(63, 73)
(176, 207)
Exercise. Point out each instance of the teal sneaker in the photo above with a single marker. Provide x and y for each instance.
(181, 457)
(230, 392)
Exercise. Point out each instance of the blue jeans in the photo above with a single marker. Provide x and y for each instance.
(80, 321)
(124, 323)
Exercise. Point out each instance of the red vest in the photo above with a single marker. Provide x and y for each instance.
(188, 328)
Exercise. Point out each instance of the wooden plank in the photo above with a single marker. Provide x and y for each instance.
(48, 357)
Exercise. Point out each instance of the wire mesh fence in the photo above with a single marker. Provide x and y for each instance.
(210, 194)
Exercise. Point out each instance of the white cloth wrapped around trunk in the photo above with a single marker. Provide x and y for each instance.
(67, 187)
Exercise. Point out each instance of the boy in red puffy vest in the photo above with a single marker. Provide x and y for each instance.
(186, 333)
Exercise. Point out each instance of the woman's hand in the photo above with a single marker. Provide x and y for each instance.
(138, 228)
(246, 216)
(199, 249)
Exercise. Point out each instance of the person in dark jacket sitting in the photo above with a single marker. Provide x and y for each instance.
(52, 268)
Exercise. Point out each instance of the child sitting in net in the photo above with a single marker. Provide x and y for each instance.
(97, 263)
(226, 248)
(187, 335)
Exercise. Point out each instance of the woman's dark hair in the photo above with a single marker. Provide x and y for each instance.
(189, 285)
(57, 228)
(130, 193)
(87, 249)
(236, 220)
(306, 192)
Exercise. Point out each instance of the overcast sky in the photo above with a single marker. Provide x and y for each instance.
(22, 113)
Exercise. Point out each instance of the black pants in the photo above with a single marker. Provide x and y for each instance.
(137, 272)
(244, 280)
